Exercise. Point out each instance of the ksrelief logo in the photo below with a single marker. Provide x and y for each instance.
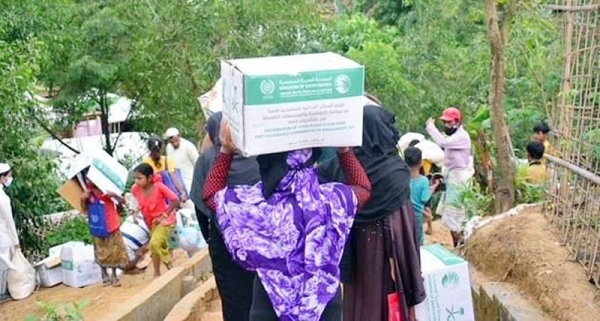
(452, 314)
(267, 87)
(450, 280)
(342, 84)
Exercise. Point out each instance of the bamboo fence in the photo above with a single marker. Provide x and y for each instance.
(573, 191)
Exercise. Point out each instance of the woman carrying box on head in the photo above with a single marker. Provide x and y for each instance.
(109, 248)
(288, 228)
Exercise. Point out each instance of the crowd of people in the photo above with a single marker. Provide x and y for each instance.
(310, 234)
(288, 231)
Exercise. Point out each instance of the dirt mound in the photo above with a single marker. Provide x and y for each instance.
(523, 250)
(99, 299)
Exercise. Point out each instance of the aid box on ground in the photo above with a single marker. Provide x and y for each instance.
(50, 271)
(283, 103)
(447, 285)
(79, 265)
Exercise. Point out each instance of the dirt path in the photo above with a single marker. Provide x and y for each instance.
(99, 299)
(523, 251)
(441, 235)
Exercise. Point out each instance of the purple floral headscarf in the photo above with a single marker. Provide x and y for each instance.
(294, 239)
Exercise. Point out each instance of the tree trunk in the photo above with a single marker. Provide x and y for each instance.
(104, 110)
(200, 121)
(505, 176)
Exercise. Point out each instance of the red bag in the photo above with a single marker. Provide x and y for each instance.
(394, 307)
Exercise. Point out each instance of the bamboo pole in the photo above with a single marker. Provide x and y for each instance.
(566, 86)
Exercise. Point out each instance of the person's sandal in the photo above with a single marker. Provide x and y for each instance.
(106, 281)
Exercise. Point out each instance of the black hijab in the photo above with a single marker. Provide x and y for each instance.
(273, 167)
(243, 171)
(388, 173)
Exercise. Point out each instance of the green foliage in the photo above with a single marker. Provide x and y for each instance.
(592, 137)
(420, 57)
(527, 193)
(72, 229)
(69, 312)
(476, 201)
(33, 190)
(436, 54)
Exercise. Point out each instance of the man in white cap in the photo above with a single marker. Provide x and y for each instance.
(9, 241)
(184, 153)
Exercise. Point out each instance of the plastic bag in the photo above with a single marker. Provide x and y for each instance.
(394, 308)
(188, 231)
(97, 219)
(168, 181)
(21, 280)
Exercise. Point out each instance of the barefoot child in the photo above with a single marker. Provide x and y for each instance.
(109, 248)
(420, 190)
(157, 204)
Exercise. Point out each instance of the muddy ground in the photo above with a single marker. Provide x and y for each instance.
(524, 251)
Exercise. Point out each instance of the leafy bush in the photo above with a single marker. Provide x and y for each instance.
(70, 229)
(33, 191)
(476, 201)
(527, 193)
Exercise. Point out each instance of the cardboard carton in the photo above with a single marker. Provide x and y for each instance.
(71, 192)
(50, 271)
(284, 103)
(447, 286)
(79, 265)
(104, 171)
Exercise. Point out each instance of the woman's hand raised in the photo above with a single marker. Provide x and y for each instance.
(227, 145)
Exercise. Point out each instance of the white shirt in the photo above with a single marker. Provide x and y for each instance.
(8, 230)
(185, 158)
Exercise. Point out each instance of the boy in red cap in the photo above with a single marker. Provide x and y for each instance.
(458, 168)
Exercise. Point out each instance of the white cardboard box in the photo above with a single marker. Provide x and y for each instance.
(284, 103)
(55, 250)
(50, 271)
(447, 286)
(79, 265)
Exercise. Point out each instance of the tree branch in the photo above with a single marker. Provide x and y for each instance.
(52, 134)
(511, 11)
(568, 8)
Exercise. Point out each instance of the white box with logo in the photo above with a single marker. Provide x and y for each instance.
(284, 103)
(50, 268)
(447, 286)
(79, 265)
